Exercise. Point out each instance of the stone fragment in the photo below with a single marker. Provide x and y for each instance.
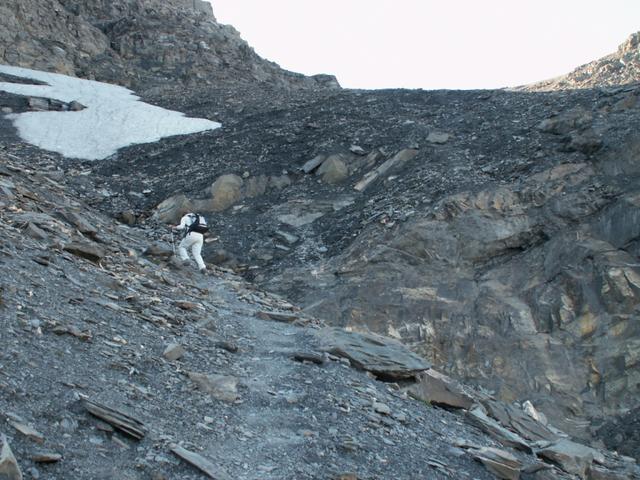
(438, 137)
(173, 352)
(357, 149)
(76, 106)
(312, 164)
(398, 159)
(572, 457)
(382, 356)
(9, 469)
(161, 250)
(220, 387)
(201, 463)
(316, 358)
(277, 316)
(497, 431)
(90, 251)
(382, 408)
(286, 237)
(438, 389)
(128, 217)
(35, 232)
(499, 462)
(38, 104)
(228, 346)
(279, 182)
(602, 473)
(27, 431)
(79, 221)
(119, 419)
(519, 421)
(46, 457)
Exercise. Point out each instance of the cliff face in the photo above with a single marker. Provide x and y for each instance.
(141, 44)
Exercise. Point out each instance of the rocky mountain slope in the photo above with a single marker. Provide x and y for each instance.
(151, 44)
(119, 363)
(619, 68)
(494, 232)
(501, 243)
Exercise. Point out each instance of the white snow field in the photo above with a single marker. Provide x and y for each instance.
(114, 117)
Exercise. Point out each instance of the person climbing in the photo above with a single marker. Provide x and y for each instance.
(194, 227)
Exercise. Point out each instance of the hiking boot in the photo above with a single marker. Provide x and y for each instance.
(186, 263)
(203, 271)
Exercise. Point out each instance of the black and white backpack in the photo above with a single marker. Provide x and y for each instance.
(199, 224)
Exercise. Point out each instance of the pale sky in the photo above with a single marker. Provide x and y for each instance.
(432, 44)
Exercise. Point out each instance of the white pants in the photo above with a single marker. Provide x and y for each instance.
(194, 241)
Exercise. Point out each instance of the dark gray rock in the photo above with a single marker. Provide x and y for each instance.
(382, 356)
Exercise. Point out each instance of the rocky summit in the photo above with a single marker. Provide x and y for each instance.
(402, 283)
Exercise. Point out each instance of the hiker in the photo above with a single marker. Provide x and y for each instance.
(194, 227)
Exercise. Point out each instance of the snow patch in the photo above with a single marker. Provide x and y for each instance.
(114, 117)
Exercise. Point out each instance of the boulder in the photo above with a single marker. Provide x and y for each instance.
(572, 457)
(226, 191)
(279, 182)
(172, 209)
(255, 186)
(499, 462)
(90, 251)
(385, 357)
(79, 221)
(220, 387)
(333, 170)
(173, 352)
(158, 249)
(438, 389)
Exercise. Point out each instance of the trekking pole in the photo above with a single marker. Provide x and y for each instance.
(173, 244)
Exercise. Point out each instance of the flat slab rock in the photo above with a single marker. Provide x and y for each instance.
(382, 356)
(9, 468)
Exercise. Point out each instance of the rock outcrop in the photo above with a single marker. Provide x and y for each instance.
(619, 68)
(147, 45)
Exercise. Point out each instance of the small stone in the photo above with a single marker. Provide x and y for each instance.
(381, 408)
(76, 106)
(220, 387)
(357, 149)
(46, 457)
(173, 352)
(438, 137)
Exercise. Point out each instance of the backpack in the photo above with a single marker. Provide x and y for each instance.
(199, 225)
